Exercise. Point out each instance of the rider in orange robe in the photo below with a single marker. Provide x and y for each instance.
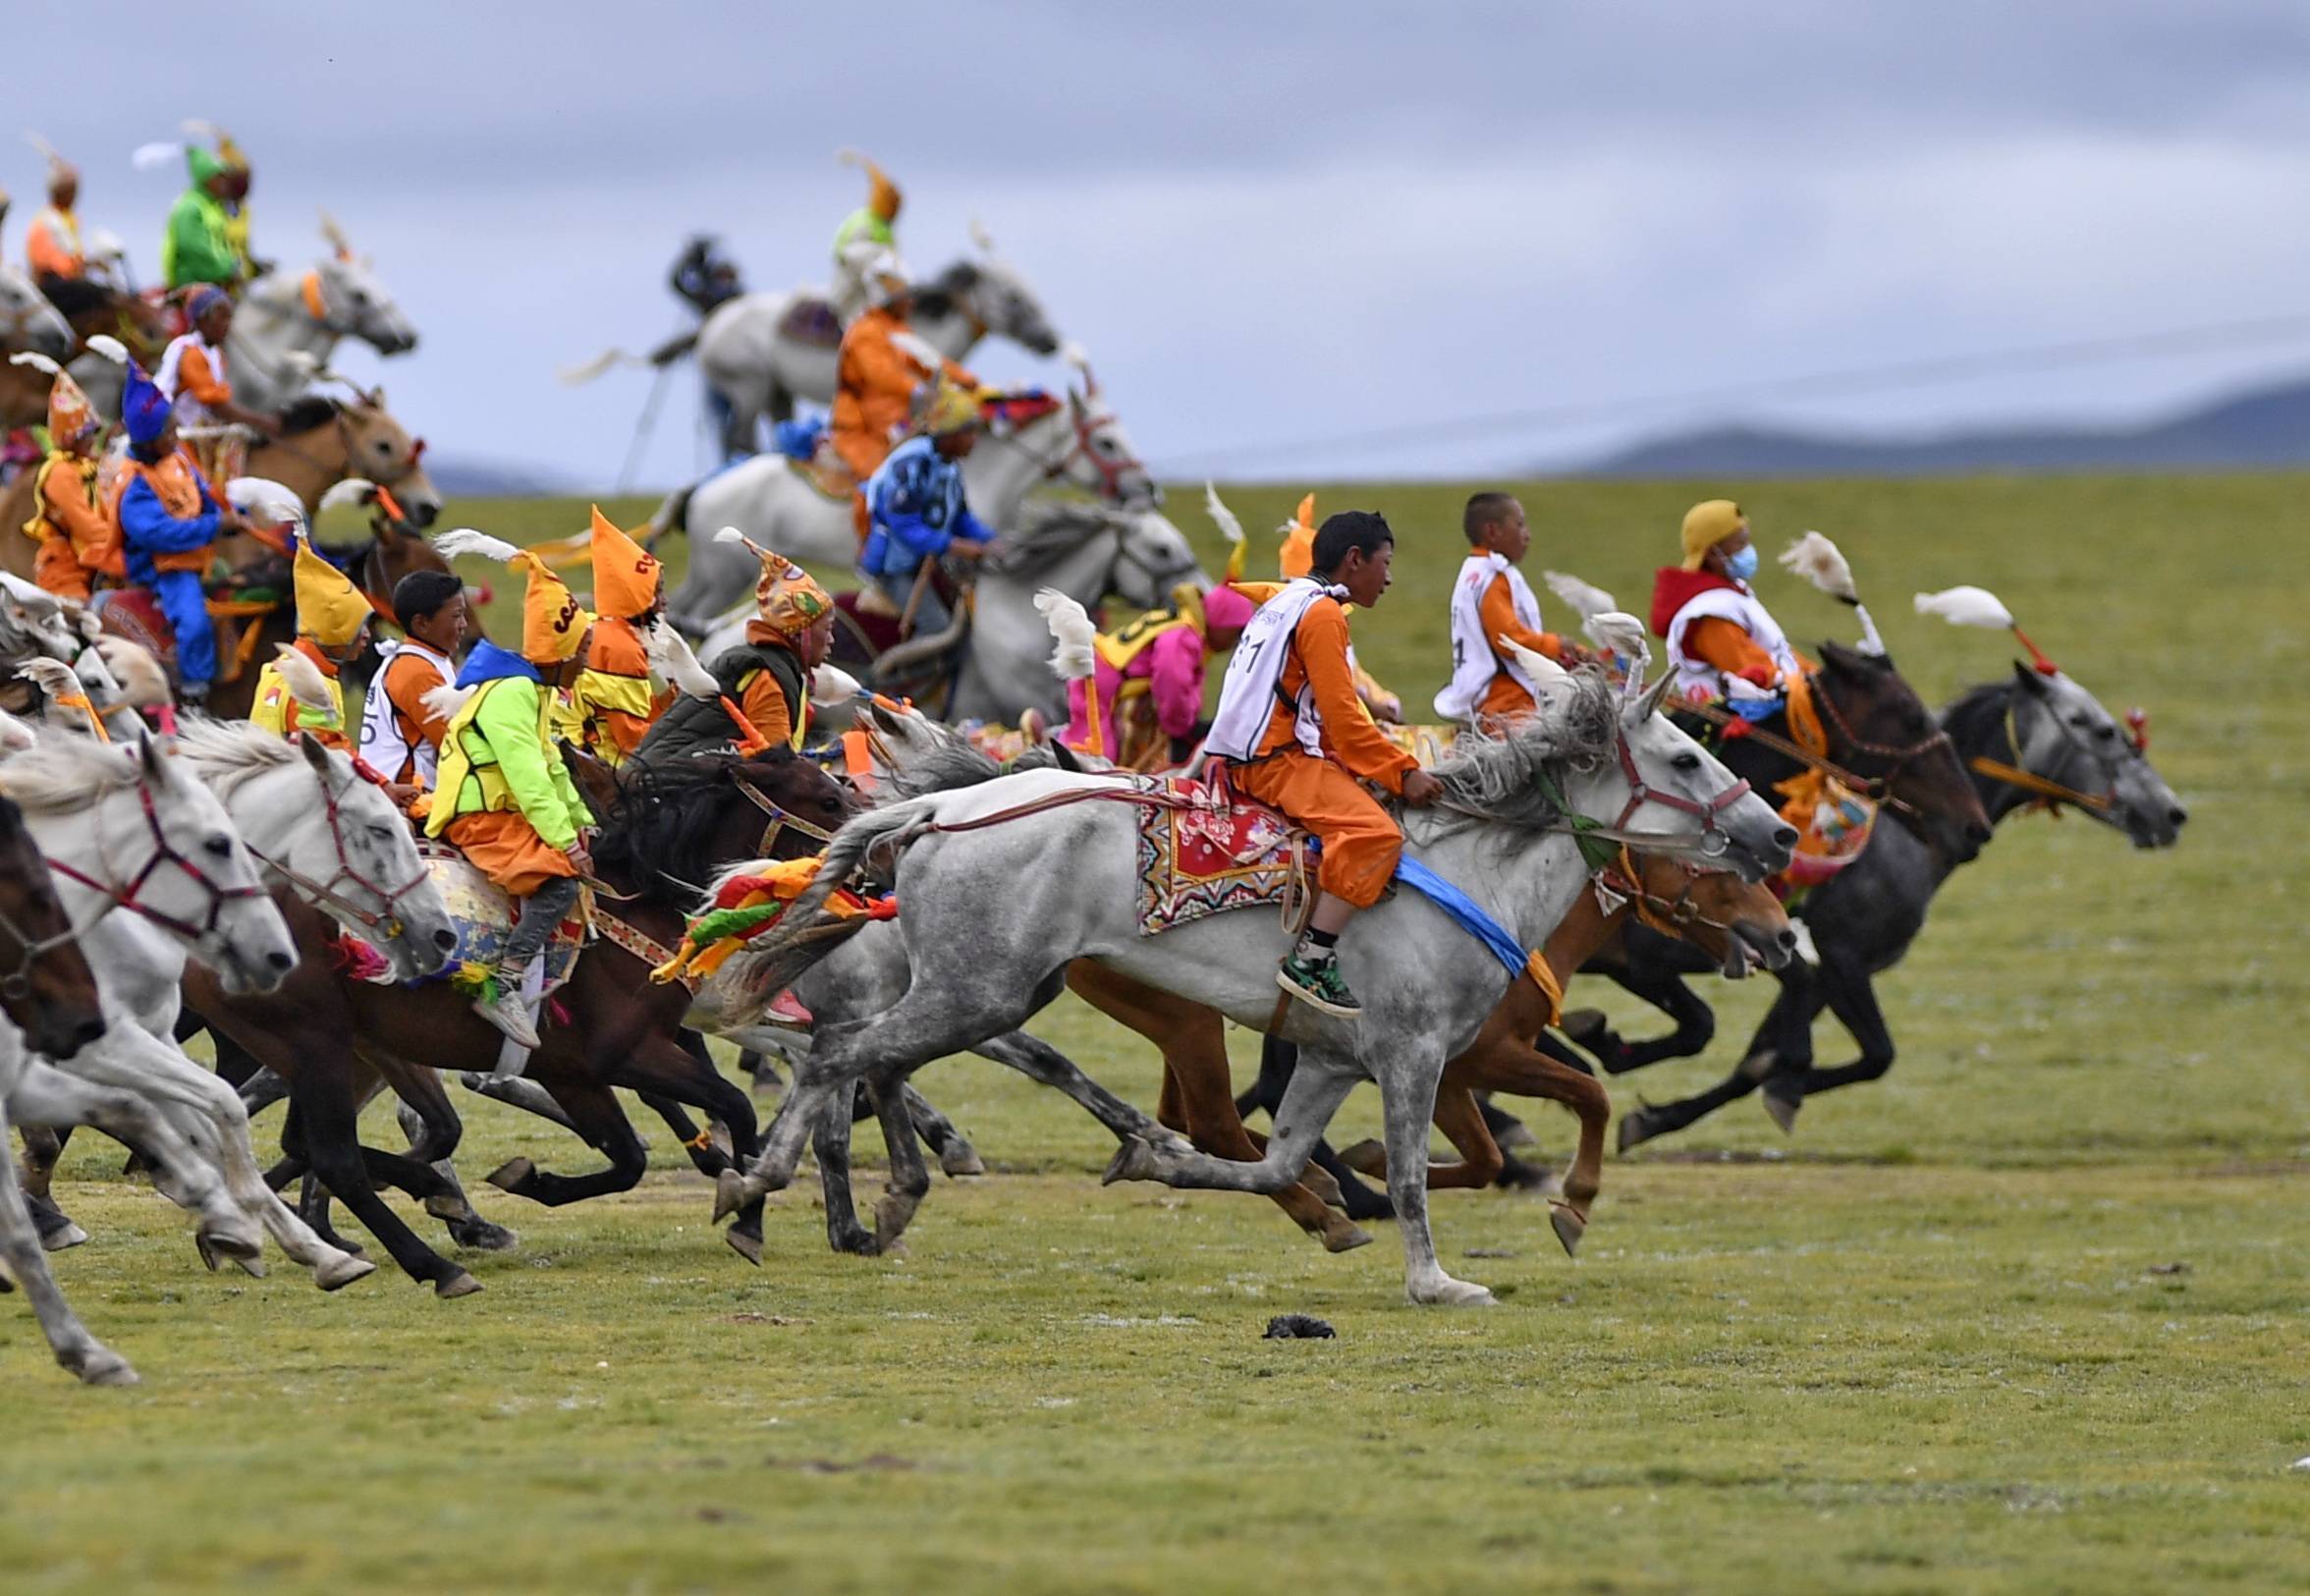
(71, 520)
(876, 378)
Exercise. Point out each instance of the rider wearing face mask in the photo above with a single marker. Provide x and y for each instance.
(1724, 643)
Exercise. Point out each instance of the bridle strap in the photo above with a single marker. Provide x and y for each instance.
(781, 819)
(15, 983)
(385, 920)
(162, 853)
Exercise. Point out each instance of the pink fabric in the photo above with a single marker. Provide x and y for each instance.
(1172, 666)
(1226, 610)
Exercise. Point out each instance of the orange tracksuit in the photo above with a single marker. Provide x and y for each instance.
(1506, 698)
(1730, 649)
(874, 391)
(1360, 843)
(70, 517)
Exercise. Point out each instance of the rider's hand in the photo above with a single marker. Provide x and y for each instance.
(1421, 789)
(964, 549)
(1388, 710)
(582, 856)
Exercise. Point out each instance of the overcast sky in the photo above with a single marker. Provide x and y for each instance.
(1268, 223)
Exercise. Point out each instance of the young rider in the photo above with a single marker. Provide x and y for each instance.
(169, 518)
(1296, 735)
(1491, 601)
(506, 799)
(332, 630)
(1155, 664)
(71, 519)
(401, 734)
(766, 678)
(611, 704)
(917, 512)
(1722, 642)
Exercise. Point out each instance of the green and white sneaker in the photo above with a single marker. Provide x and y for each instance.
(1318, 983)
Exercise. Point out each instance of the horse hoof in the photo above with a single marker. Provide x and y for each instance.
(214, 1247)
(252, 1266)
(1586, 1026)
(893, 1213)
(729, 1194)
(1135, 1160)
(63, 1238)
(1783, 1109)
(1570, 1225)
(1457, 1293)
(1636, 1128)
(745, 1244)
(481, 1236)
(456, 1285)
(342, 1271)
(1367, 1158)
(1346, 1238)
(107, 1368)
(961, 1158)
(511, 1174)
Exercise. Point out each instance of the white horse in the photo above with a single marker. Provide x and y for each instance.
(1081, 443)
(28, 321)
(991, 922)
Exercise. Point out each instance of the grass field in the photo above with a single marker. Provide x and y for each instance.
(2028, 1315)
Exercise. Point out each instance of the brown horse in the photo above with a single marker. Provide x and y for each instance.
(609, 1025)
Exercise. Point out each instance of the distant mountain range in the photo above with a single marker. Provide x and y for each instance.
(2264, 429)
(465, 478)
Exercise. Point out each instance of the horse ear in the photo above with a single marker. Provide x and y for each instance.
(1648, 704)
(315, 754)
(2031, 683)
(1064, 757)
(883, 718)
(376, 397)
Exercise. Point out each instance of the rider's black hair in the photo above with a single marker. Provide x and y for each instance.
(1366, 530)
(421, 593)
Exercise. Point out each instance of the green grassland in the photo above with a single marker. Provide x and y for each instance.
(2028, 1315)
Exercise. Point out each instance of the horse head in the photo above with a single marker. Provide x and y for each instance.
(28, 321)
(1152, 557)
(380, 448)
(993, 296)
(1670, 784)
(1738, 924)
(353, 301)
(370, 868)
(2064, 734)
(46, 987)
(1877, 727)
(1104, 459)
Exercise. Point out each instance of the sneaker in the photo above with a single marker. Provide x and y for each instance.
(509, 1014)
(1319, 984)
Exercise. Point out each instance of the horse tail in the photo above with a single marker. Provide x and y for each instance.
(671, 514)
(894, 826)
(577, 376)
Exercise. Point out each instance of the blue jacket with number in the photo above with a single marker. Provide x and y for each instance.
(915, 505)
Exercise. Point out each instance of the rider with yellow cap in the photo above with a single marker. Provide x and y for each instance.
(1722, 642)
(332, 630)
(612, 704)
(505, 798)
(917, 511)
(765, 680)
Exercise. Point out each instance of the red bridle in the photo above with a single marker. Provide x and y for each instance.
(163, 853)
(384, 921)
(1708, 811)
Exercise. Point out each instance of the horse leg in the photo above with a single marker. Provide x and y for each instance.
(1852, 998)
(956, 1157)
(1407, 1099)
(593, 1109)
(77, 1351)
(430, 1122)
(1649, 1120)
(322, 1093)
(665, 1070)
(44, 1150)
(1665, 990)
(1277, 1060)
(1314, 1096)
(909, 1176)
(830, 1144)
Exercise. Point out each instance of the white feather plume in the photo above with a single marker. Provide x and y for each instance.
(353, 490)
(1544, 671)
(445, 700)
(832, 686)
(111, 347)
(731, 534)
(51, 675)
(465, 540)
(1821, 562)
(155, 156)
(1585, 599)
(1071, 353)
(44, 147)
(193, 127)
(914, 349)
(17, 735)
(577, 376)
(1220, 512)
(36, 360)
(1624, 635)
(671, 656)
(1966, 607)
(1078, 654)
(142, 683)
(266, 500)
(304, 678)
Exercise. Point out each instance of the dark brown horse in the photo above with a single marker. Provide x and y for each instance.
(664, 834)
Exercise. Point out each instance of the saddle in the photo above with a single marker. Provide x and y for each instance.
(483, 918)
(238, 615)
(811, 321)
(1212, 849)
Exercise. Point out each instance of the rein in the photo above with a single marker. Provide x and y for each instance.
(15, 983)
(385, 921)
(2044, 789)
(1621, 879)
(1877, 789)
(781, 819)
(163, 853)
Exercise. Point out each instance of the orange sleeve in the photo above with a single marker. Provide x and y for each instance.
(65, 503)
(1321, 642)
(195, 376)
(763, 703)
(1727, 646)
(406, 685)
(1498, 611)
(45, 255)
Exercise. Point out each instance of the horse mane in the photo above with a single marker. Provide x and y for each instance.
(1053, 530)
(230, 753)
(937, 297)
(1975, 719)
(659, 831)
(1493, 777)
(952, 762)
(308, 412)
(63, 774)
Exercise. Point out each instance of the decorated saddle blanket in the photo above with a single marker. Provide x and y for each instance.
(1833, 824)
(483, 917)
(1213, 849)
(811, 321)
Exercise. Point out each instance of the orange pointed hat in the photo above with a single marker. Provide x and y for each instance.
(1298, 552)
(553, 623)
(625, 575)
(70, 417)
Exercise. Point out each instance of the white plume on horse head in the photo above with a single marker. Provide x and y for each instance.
(353, 490)
(141, 681)
(51, 675)
(577, 376)
(671, 657)
(266, 500)
(304, 678)
(111, 347)
(1230, 527)
(36, 360)
(1587, 601)
(1077, 654)
(1545, 673)
(156, 156)
(1967, 607)
(465, 540)
(1823, 564)
(1624, 635)
(982, 238)
(335, 237)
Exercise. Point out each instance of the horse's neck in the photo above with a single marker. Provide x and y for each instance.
(1585, 927)
(273, 326)
(307, 463)
(2000, 738)
(1008, 468)
(275, 810)
(951, 333)
(1530, 894)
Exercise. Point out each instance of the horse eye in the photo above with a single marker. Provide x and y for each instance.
(1687, 761)
(2105, 732)
(384, 449)
(383, 833)
(219, 846)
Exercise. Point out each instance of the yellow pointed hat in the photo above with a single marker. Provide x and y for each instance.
(330, 610)
(553, 622)
(1298, 557)
(625, 575)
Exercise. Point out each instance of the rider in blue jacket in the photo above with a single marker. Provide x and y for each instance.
(916, 509)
